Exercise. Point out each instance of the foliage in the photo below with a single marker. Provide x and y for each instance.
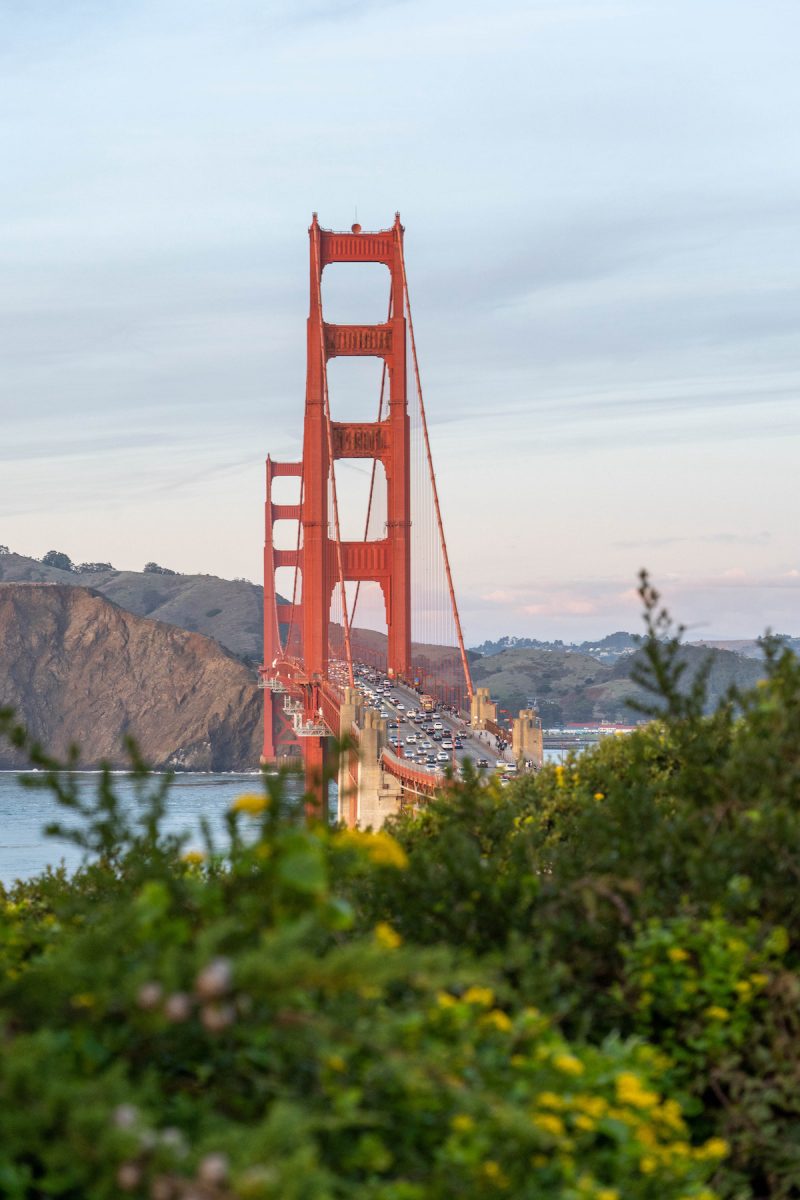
(56, 558)
(153, 568)
(683, 836)
(212, 1024)
(582, 985)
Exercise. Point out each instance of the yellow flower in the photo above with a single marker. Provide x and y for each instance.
(715, 1147)
(647, 1164)
(630, 1090)
(479, 995)
(743, 987)
(445, 1000)
(606, 1194)
(462, 1123)
(677, 954)
(670, 1114)
(193, 858)
(599, 795)
(583, 1122)
(381, 848)
(386, 936)
(550, 1100)
(251, 803)
(385, 851)
(492, 1171)
(539, 1160)
(335, 1062)
(759, 980)
(568, 1063)
(559, 776)
(548, 1123)
(715, 1012)
(83, 1000)
(595, 1106)
(498, 1018)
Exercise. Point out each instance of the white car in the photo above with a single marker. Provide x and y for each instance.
(447, 745)
(442, 757)
(438, 725)
(412, 737)
(399, 705)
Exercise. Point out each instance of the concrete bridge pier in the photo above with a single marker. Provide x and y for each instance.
(526, 739)
(367, 793)
(379, 794)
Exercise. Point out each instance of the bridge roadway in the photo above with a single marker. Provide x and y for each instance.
(475, 746)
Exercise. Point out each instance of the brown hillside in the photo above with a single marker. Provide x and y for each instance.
(76, 668)
(228, 610)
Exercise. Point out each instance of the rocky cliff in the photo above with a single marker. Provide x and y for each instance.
(228, 610)
(76, 668)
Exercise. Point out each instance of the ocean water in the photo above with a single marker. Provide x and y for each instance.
(24, 812)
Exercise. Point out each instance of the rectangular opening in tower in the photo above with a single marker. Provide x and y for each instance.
(354, 388)
(362, 500)
(355, 293)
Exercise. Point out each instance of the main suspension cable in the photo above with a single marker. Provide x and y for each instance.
(459, 634)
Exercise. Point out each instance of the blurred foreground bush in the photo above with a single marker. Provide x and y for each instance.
(581, 986)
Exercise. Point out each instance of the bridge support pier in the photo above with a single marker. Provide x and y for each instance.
(379, 794)
(482, 709)
(526, 739)
(315, 757)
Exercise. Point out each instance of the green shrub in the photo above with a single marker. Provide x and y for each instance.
(584, 985)
(184, 1024)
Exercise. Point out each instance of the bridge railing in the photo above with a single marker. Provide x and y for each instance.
(418, 781)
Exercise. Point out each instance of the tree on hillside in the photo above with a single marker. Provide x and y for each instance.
(92, 568)
(4, 550)
(152, 568)
(57, 558)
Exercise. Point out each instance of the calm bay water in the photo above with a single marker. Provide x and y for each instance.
(24, 812)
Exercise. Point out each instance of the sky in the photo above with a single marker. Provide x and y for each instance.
(602, 214)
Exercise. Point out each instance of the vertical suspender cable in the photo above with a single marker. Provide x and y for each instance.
(327, 410)
(459, 634)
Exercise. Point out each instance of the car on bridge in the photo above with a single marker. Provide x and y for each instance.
(442, 757)
(482, 762)
(412, 737)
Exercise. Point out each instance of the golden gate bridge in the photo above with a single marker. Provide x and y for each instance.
(313, 646)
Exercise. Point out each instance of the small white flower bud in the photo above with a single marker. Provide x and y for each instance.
(215, 979)
(213, 1169)
(149, 996)
(126, 1116)
(178, 1007)
(129, 1176)
(216, 1017)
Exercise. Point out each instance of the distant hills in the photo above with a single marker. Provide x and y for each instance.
(586, 681)
(607, 649)
(228, 610)
(567, 685)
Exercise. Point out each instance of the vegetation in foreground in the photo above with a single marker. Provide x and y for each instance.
(585, 985)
